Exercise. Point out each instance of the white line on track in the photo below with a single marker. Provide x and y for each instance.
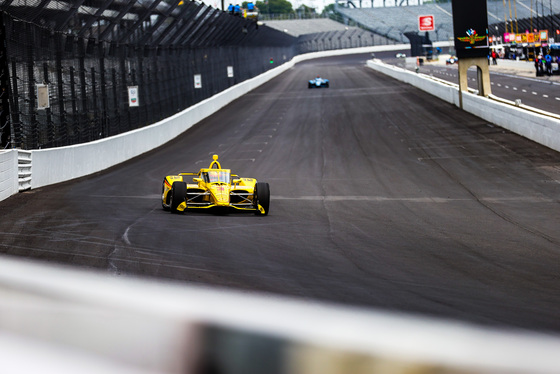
(526, 78)
(452, 157)
(125, 236)
(434, 199)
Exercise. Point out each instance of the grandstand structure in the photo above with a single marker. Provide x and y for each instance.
(394, 21)
(308, 26)
(323, 34)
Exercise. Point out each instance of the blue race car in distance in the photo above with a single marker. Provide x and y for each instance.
(318, 82)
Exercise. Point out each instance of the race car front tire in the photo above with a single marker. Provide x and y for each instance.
(262, 197)
(178, 195)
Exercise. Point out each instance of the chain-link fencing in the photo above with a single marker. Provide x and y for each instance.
(77, 71)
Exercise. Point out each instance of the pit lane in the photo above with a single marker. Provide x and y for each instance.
(382, 196)
(510, 80)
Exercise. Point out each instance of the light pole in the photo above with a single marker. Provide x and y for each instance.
(551, 20)
(542, 12)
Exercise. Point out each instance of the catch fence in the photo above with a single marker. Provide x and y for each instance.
(74, 71)
(77, 71)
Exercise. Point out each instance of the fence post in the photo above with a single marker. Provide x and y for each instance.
(96, 129)
(15, 110)
(83, 92)
(134, 113)
(117, 117)
(124, 89)
(62, 125)
(29, 140)
(103, 121)
(73, 128)
(51, 130)
(157, 92)
(5, 123)
(174, 80)
(142, 92)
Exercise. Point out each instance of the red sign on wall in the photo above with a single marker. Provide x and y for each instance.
(426, 23)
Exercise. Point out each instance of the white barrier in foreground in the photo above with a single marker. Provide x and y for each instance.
(98, 323)
(539, 127)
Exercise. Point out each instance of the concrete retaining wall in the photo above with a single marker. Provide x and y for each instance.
(56, 165)
(538, 127)
(446, 92)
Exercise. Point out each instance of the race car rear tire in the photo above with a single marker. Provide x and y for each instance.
(178, 195)
(262, 197)
(327, 85)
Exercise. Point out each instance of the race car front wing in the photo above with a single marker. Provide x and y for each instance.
(244, 202)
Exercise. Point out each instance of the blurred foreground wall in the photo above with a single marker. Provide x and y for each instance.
(60, 320)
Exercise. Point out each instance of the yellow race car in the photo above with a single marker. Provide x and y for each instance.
(214, 188)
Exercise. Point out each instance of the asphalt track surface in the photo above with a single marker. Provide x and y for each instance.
(382, 196)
